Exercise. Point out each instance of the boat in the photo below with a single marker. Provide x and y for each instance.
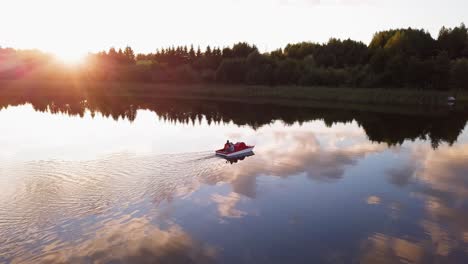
(451, 100)
(240, 149)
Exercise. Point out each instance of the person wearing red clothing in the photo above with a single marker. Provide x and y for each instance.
(227, 146)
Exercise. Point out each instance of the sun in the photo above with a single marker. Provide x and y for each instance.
(71, 58)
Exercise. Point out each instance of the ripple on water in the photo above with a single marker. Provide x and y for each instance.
(42, 199)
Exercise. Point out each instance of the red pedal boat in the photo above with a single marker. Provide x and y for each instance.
(239, 149)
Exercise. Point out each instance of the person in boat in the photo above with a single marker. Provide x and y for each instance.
(227, 145)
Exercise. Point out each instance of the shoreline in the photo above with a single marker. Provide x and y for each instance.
(366, 99)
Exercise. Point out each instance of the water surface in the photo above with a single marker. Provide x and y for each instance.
(137, 181)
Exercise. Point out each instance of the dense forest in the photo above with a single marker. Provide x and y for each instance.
(401, 58)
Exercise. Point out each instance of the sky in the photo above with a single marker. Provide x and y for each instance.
(71, 28)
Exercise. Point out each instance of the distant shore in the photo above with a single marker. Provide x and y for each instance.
(356, 98)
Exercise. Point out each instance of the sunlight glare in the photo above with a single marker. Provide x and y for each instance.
(69, 57)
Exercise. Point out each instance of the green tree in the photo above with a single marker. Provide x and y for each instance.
(278, 54)
(232, 70)
(129, 54)
(441, 71)
(259, 69)
(227, 52)
(242, 50)
(418, 72)
(287, 72)
(208, 52)
(191, 54)
(112, 53)
(459, 74)
(301, 50)
(453, 41)
(396, 71)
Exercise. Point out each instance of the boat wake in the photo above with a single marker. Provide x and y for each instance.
(44, 197)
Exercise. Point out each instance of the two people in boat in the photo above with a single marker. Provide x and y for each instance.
(229, 147)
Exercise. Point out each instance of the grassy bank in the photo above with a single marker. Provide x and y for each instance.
(285, 95)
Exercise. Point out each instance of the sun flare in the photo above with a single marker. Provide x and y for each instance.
(71, 58)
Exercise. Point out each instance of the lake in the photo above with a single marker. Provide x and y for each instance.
(127, 180)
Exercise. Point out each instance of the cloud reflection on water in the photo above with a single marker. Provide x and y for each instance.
(444, 187)
(381, 248)
(440, 182)
(227, 204)
(292, 152)
(127, 240)
(51, 194)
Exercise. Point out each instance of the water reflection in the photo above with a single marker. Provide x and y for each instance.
(227, 204)
(436, 125)
(294, 153)
(126, 240)
(236, 159)
(445, 191)
(324, 186)
(381, 248)
(401, 176)
(440, 232)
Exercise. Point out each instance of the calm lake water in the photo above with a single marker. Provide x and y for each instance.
(138, 182)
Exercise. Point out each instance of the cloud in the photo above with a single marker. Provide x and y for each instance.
(401, 176)
(374, 200)
(443, 186)
(439, 181)
(325, 2)
(227, 204)
(442, 242)
(381, 248)
(58, 191)
(128, 240)
(298, 3)
(444, 170)
(384, 248)
(444, 190)
(292, 153)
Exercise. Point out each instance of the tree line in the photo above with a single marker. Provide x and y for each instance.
(443, 127)
(399, 58)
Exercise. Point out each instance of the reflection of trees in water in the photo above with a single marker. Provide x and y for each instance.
(392, 129)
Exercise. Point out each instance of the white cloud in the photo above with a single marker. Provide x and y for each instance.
(126, 240)
(227, 204)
